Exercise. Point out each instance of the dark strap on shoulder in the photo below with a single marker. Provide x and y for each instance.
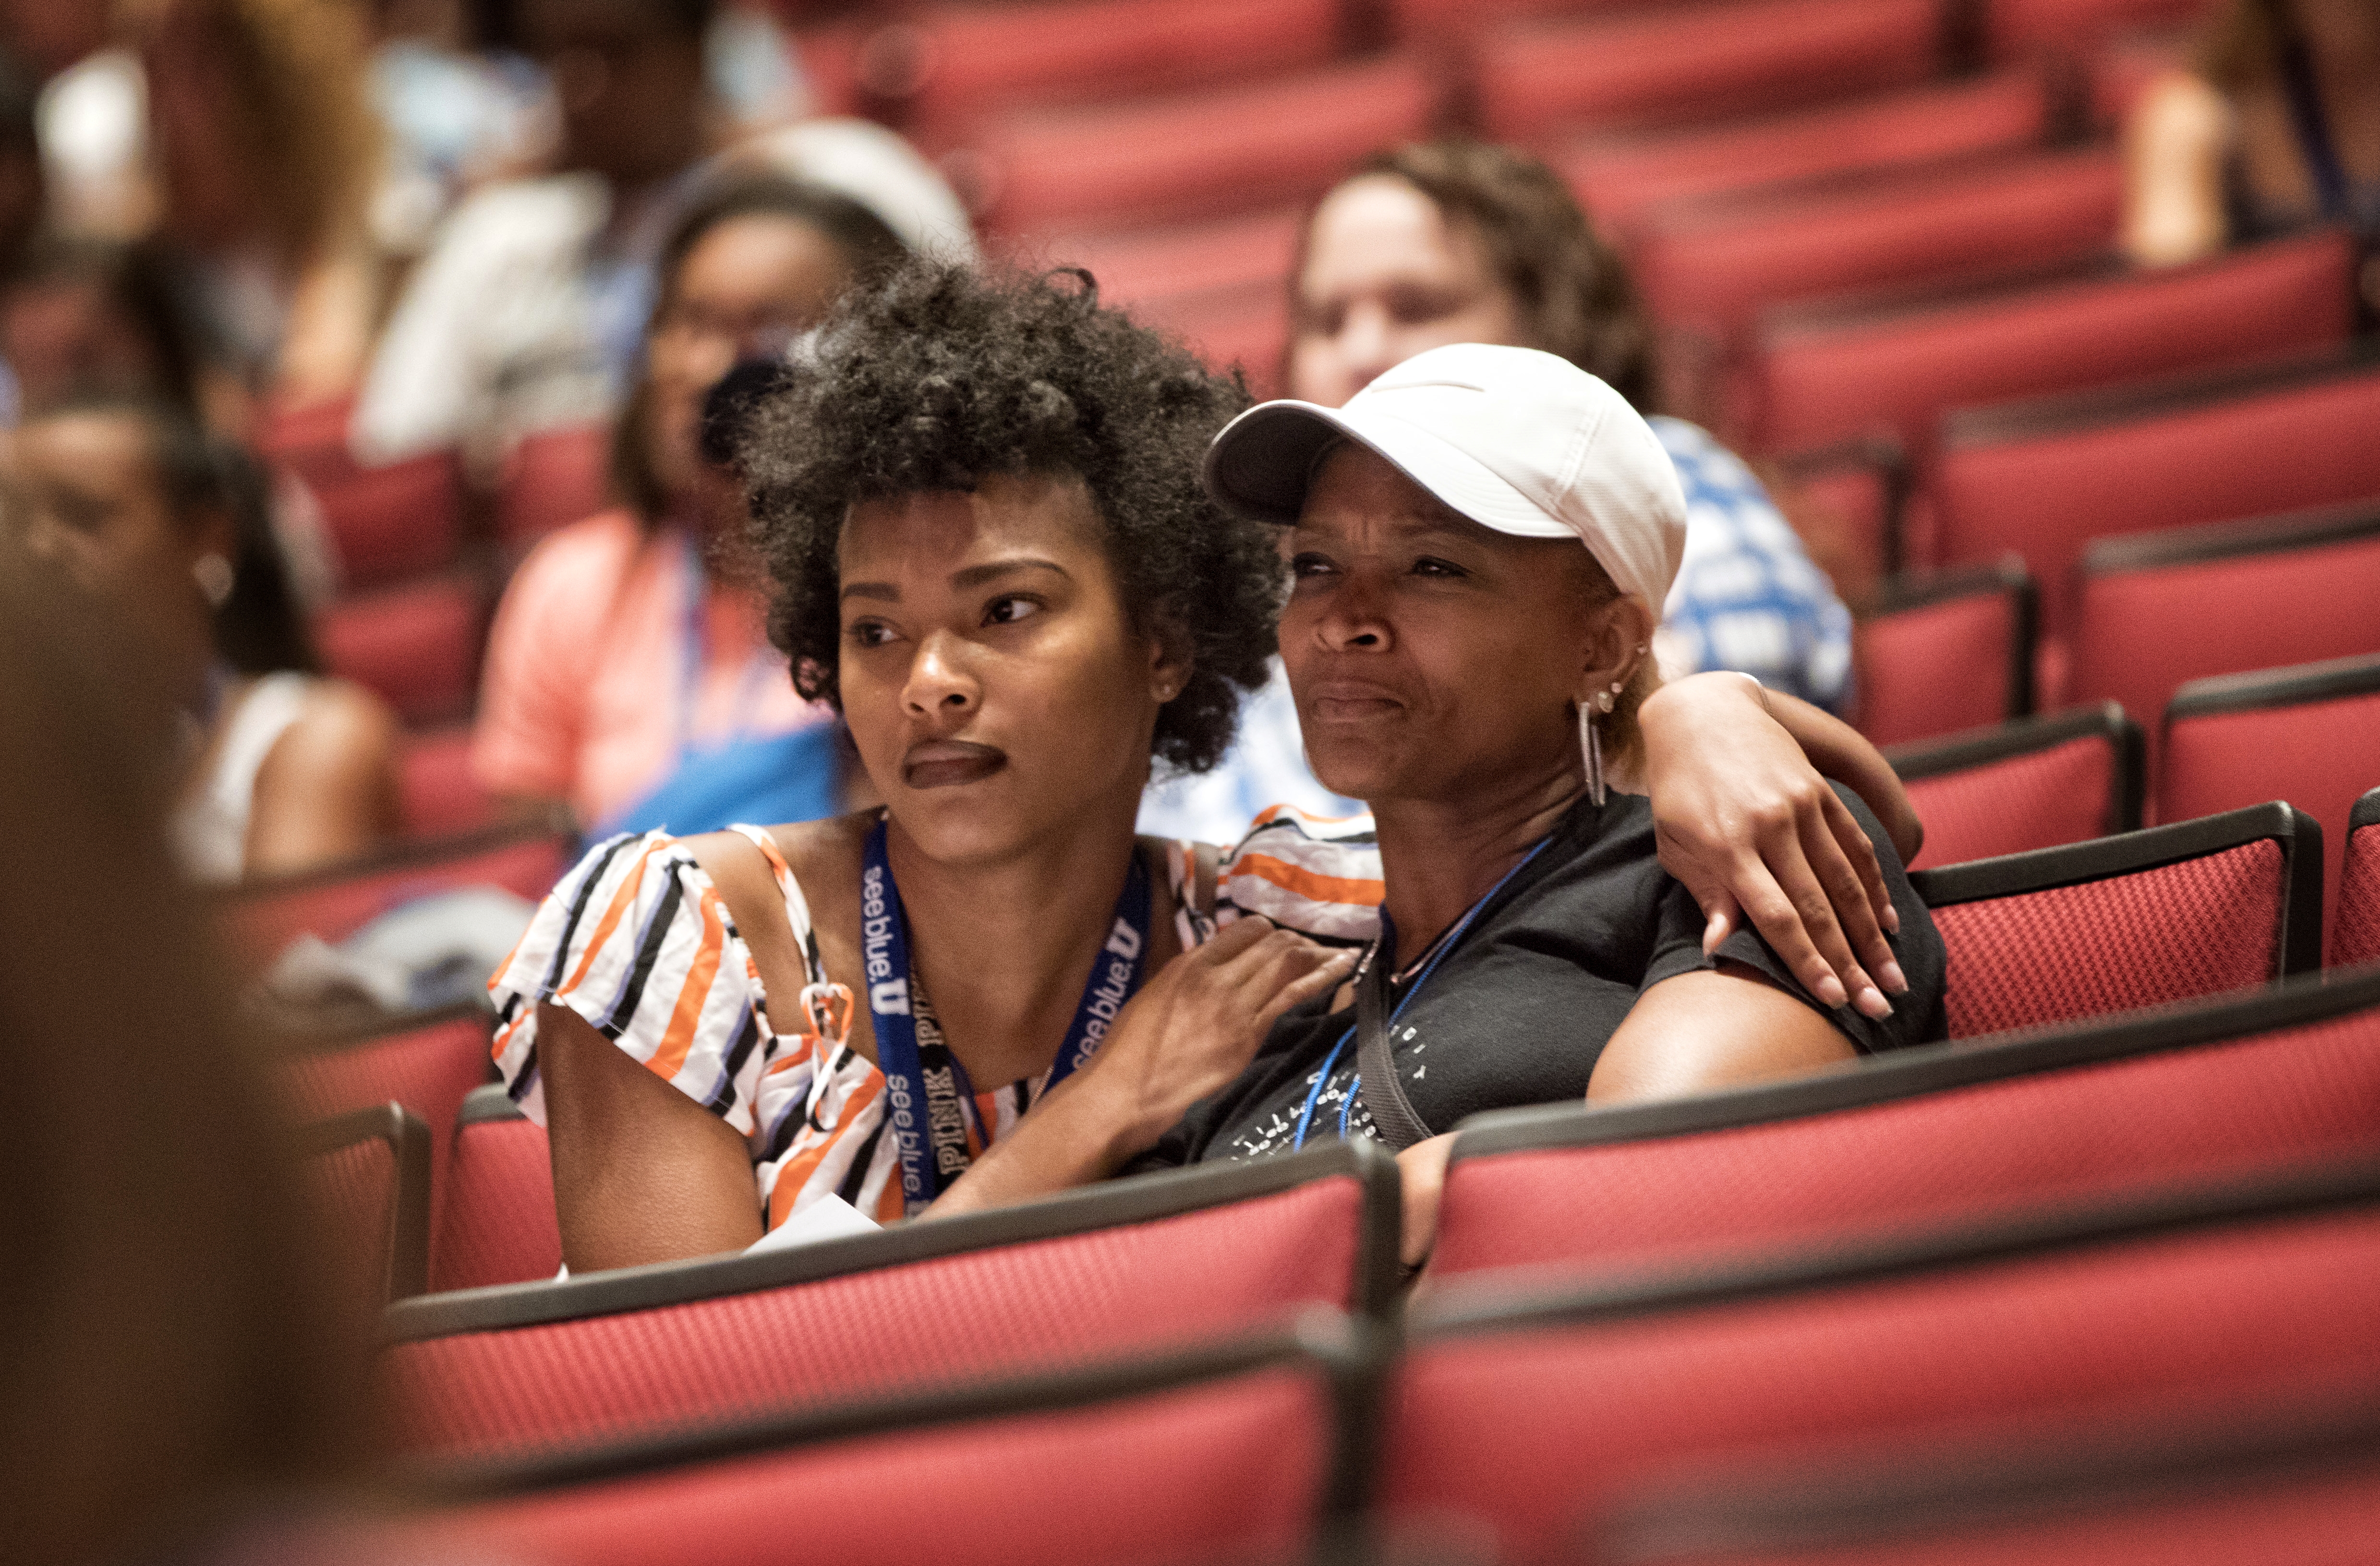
(1384, 1095)
(2312, 126)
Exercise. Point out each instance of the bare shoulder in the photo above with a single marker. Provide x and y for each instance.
(824, 857)
(343, 721)
(2181, 111)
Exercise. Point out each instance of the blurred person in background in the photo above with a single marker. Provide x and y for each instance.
(156, 524)
(2276, 127)
(1459, 241)
(265, 152)
(173, 1381)
(632, 648)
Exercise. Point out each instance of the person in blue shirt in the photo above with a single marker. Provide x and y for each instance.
(1460, 241)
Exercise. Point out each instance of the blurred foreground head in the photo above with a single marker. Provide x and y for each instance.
(166, 1366)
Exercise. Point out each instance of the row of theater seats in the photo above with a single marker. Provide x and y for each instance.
(2040, 938)
(2058, 1262)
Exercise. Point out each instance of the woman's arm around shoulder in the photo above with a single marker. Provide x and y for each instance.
(328, 789)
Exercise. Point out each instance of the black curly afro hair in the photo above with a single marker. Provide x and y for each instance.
(942, 375)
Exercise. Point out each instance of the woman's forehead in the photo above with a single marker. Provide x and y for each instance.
(948, 530)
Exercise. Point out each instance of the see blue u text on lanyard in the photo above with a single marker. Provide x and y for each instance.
(923, 1084)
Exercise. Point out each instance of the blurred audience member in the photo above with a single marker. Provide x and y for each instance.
(1458, 241)
(635, 643)
(266, 152)
(92, 315)
(163, 527)
(172, 1375)
(528, 311)
(2277, 127)
(458, 113)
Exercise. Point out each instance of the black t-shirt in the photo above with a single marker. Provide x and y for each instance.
(1519, 1011)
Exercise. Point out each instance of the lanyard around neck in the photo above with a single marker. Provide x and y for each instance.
(922, 1079)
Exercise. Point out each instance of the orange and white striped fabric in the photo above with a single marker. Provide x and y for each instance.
(637, 940)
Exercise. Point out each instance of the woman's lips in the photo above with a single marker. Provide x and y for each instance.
(945, 763)
(1349, 701)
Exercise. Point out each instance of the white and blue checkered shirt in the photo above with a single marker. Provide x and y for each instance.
(1746, 598)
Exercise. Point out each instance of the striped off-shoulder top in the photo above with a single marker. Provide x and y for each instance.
(637, 940)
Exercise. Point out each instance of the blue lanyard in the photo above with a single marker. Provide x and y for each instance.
(747, 688)
(1383, 950)
(922, 1079)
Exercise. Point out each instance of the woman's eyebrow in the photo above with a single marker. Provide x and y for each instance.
(884, 590)
(993, 570)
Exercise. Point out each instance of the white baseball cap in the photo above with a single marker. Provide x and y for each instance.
(1518, 441)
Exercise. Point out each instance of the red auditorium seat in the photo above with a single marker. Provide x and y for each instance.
(1220, 149)
(496, 1219)
(2160, 609)
(1841, 375)
(1947, 652)
(418, 645)
(955, 61)
(553, 479)
(2018, 28)
(1927, 1138)
(1132, 264)
(1621, 179)
(2043, 478)
(426, 1063)
(2310, 735)
(441, 798)
(1711, 265)
(2291, 1484)
(1245, 1450)
(1128, 1267)
(2168, 914)
(1849, 497)
(1708, 62)
(264, 917)
(370, 1173)
(2355, 937)
(1248, 326)
(1515, 1422)
(2036, 783)
(1436, 21)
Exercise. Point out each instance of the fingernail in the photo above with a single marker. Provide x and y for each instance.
(1873, 1005)
(1892, 918)
(1895, 981)
(1830, 991)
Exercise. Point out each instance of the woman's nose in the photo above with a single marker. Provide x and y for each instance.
(1354, 619)
(939, 687)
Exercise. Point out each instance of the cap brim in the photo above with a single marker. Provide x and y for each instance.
(1263, 463)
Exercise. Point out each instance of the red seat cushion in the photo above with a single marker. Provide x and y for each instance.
(387, 523)
(2197, 926)
(1713, 264)
(1960, 1154)
(1224, 150)
(2041, 493)
(1897, 371)
(496, 1220)
(1621, 178)
(553, 479)
(259, 922)
(2037, 800)
(2014, 28)
(1700, 63)
(2355, 933)
(1939, 668)
(417, 646)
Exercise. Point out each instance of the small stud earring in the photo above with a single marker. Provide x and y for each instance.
(216, 578)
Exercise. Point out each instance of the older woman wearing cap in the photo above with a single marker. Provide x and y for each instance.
(1465, 667)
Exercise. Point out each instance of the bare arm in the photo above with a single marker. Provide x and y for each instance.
(641, 1173)
(2173, 173)
(328, 789)
(1191, 1029)
(1744, 819)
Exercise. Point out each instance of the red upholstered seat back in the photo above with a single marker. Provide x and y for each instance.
(495, 1218)
(2153, 620)
(1844, 509)
(418, 645)
(441, 798)
(2318, 755)
(2197, 926)
(2036, 800)
(1247, 325)
(388, 523)
(2038, 1135)
(967, 59)
(2355, 932)
(1523, 1435)
(1714, 264)
(553, 479)
(1708, 63)
(427, 1069)
(1032, 1304)
(2017, 28)
(1945, 663)
(354, 1215)
(1223, 149)
(1141, 263)
(2043, 494)
(1228, 1470)
(1621, 178)
(261, 922)
(1897, 371)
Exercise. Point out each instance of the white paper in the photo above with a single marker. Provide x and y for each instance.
(829, 1217)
